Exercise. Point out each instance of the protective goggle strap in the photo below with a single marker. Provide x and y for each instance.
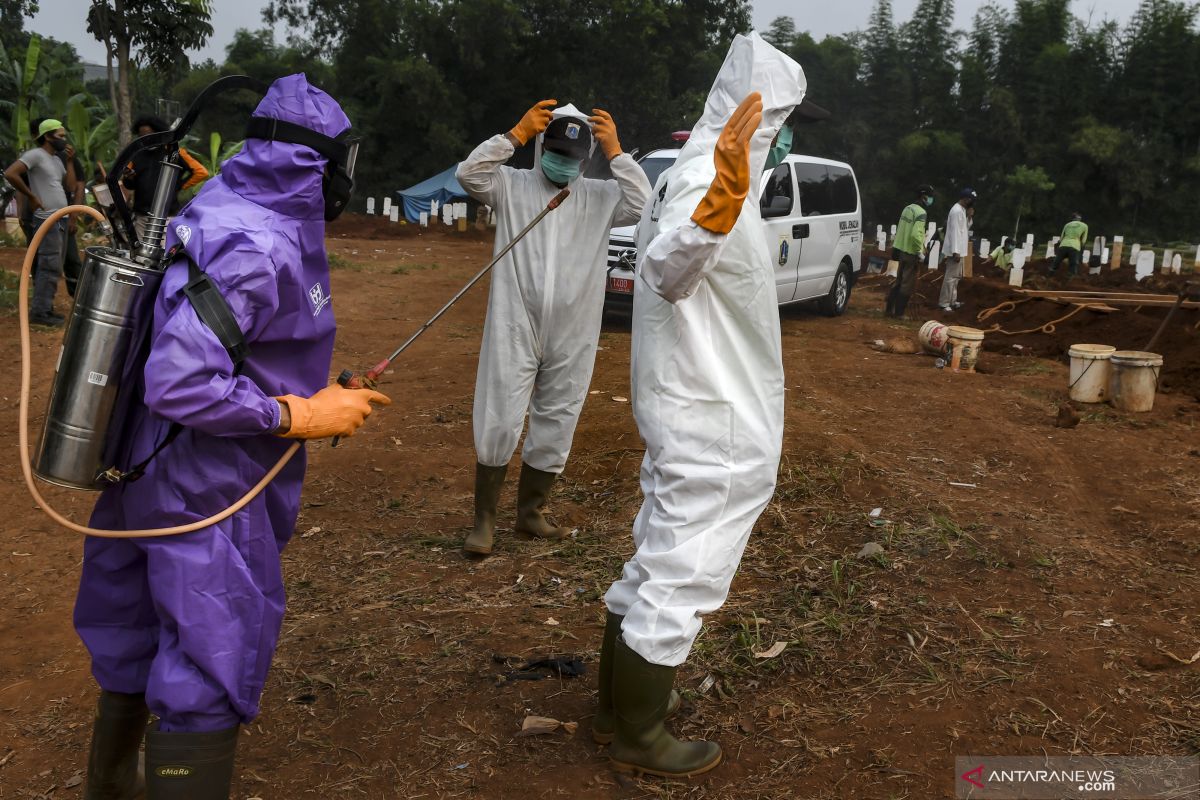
(278, 130)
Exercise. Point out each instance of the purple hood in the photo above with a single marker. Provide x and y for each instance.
(286, 178)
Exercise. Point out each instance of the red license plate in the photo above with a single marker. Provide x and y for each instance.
(621, 285)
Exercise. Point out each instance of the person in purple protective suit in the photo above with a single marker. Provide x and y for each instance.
(185, 626)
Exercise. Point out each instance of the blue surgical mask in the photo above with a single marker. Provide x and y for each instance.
(559, 169)
(783, 146)
(928, 201)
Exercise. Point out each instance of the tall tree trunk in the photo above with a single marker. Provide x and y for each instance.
(112, 80)
(124, 112)
(122, 106)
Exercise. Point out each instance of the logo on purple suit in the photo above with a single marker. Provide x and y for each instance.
(318, 297)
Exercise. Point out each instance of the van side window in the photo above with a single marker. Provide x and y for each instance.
(814, 189)
(777, 189)
(843, 194)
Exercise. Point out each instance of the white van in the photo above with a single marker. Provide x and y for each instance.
(812, 222)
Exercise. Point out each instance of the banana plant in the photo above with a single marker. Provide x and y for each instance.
(92, 142)
(218, 156)
(18, 80)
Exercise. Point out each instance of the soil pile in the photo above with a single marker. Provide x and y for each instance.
(1127, 328)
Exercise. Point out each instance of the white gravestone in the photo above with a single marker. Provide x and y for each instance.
(1145, 263)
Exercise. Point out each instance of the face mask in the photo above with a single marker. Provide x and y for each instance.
(58, 144)
(559, 169)
(928, 201)
(781, 148)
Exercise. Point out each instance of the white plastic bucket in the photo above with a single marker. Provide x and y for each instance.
(933, 337)
(965, 344)
(1090, 371)
(1134, 379)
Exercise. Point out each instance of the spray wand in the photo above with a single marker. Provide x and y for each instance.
(350, 380)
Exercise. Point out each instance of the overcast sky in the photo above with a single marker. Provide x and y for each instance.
(64, 19)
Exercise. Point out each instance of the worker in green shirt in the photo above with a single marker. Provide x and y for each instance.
(908, 248)
(1071, 244)
(1002, 255)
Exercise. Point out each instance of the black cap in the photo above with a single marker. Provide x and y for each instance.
(967, 191)
(807, 112)
(925, 190)
(568, 136)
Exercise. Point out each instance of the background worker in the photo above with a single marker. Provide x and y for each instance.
(45, 181)
(707, 377)
(954, 249)
(1002, 254)
(186, 626)
(908, 247)
(546, 302)
(141, 174)
(1070, 245)
(72, 265)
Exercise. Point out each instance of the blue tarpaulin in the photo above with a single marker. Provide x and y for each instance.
(442, 187)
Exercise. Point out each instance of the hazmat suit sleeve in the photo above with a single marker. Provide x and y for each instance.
(481, 173)
(189, 374)
(677, 260)
(635, 188)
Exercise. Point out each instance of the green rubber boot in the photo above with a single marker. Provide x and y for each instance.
(488, 483)
(641, 745)
(117, 731)
(602, 723)
(190, 766)
(532, 492)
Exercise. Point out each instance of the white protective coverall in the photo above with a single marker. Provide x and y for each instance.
(707, 374)
(539, 339)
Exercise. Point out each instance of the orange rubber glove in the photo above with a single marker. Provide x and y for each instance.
(605, 131)
(721, 206)
(534, 122)
(333, 411)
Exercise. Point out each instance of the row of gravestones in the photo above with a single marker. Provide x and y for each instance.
(450, 212)
(1143, 261)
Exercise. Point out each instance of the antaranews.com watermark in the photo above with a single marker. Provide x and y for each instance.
(1076, 777)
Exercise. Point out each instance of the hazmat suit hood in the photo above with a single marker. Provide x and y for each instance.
(569, 110)
(285, 177)
(751, 65)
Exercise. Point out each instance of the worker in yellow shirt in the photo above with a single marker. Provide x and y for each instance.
(1002, 255)
(1074, 234)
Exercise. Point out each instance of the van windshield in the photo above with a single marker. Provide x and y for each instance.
(654, 167)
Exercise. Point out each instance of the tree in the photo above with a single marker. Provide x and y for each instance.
(154, 33)
(12, 22)
(1024, 183)
(781, 32)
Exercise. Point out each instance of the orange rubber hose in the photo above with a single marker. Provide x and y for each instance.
(23, 431)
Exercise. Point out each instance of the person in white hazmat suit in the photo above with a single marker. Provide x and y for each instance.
(546, 302)
(707, 377)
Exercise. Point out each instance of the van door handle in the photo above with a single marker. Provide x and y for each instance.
(800, 231)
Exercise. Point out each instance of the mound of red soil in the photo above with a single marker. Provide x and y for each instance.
(1127, 328)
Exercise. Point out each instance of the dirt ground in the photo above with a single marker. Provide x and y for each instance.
(1037, 590)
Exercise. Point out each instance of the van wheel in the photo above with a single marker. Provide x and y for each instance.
(834, 304)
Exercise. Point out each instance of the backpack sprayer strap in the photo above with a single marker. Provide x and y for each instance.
(213, 310)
